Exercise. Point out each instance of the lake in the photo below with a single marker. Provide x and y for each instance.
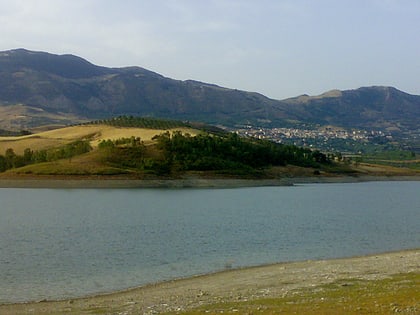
(64, 243)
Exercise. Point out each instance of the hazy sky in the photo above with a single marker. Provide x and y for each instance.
(280, 48)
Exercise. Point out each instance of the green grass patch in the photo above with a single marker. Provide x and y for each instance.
(391, 155)
(413, 165)
(398, 294)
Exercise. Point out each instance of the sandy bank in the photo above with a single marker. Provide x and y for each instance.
(243, 284)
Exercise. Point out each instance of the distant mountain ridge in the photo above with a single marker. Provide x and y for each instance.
(66, 66)
(69, 84)
(366, 107)
(40, 88)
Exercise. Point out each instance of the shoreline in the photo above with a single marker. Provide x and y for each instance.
(248, 283)
(80, 182)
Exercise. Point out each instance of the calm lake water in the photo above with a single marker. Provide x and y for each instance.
(57, 243)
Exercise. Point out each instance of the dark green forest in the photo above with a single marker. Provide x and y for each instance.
(179, 152)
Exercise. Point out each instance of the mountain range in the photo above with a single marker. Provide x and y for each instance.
(38, 88)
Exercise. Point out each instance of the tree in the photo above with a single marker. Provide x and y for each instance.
(10, 157)
(3, 164)
(28, 156)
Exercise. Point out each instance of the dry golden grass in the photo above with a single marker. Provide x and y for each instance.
(94, 133)
(86, 164)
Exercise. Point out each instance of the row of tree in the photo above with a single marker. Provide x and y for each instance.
(140, 122)
(12, 160)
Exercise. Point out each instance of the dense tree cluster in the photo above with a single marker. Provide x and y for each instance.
(210, 152)
(124, 152)
(205, 152)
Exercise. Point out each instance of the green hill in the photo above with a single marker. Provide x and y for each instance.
(165, 148)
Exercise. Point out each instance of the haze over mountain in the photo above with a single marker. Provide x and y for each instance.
(40, 88)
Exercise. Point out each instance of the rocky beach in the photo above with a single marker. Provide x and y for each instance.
(271, 281)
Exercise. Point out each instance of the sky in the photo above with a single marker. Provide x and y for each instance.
(279, 48)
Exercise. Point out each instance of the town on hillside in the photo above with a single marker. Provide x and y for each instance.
(328, 139)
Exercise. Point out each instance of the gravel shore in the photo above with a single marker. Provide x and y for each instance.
(115, 182)
(232, 285)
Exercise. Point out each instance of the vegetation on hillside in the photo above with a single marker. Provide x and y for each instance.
(140, 122)
(177, 152)
(9, 133)
(130, 121)
(12, 160)
(116, 146)
(395, 158)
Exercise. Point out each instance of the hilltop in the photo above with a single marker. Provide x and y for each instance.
(376, 107)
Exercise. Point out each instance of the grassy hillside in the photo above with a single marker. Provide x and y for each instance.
(108, 148)
(94, 133)
(48, 152)
(144, 147)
